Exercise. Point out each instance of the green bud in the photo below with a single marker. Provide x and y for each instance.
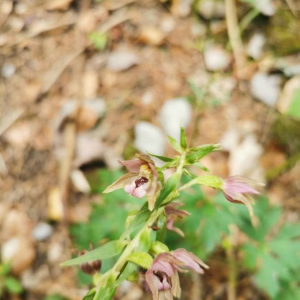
(141, 259)
(158, 247)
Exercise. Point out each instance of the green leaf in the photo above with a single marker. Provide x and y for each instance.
(250, 255)
(183, 142)
(99, 40)
(163, 158)
(207, 180)
(138, 220)
(141, 259)
(108, 250)
(294, 107)
(4, 268)
(169, 187)
(90, 295)
(175, 144)
(105, 293)
(195, 154)
(13, 285)
(127, 271)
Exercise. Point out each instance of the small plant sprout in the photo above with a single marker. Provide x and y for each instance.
(140, 251)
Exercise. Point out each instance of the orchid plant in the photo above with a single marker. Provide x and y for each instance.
(140, 251)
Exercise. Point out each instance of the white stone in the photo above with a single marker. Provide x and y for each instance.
(42, 231)
(173, 114)
(211, 9)
(266, 7)
(8, 70)
(266, 88)
(121, 60)
(10, 249)
(255, 45)
(216, 58)
(149, 138)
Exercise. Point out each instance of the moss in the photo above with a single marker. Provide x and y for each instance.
(284, 33)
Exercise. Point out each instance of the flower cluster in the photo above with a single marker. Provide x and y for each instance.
(162, 276)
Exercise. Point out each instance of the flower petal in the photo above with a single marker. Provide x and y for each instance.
(133, 165)
(152, 282)
(121, 182)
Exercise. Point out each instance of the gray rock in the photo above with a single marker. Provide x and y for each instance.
(149, 138)
(173, 114)
(265, 88)
(121, 60)
(8, 70)
(216, 58)
(255, 45)
(42, 231)
(211, 9)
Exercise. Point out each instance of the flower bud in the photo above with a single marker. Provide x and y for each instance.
(158, 247)
(91, 267)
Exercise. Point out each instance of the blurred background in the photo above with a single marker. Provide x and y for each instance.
(84, 83)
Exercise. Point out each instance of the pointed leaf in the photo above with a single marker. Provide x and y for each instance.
(13, 285)
(127, 271)
(108, 250)
(90, 295)
(138, 220)
(163, 158)
(195, 154)
(175, 144)
(169, 187)
(183, 142)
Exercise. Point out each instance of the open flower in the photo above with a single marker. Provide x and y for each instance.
(142, 179)
(163, 277)
(238, 189)
(172, 212)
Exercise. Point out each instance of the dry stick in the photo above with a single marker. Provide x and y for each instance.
(234, 37)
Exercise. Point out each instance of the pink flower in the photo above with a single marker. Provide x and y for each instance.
(237, 189)
(172, 212)
(141, 181)
(163, 277)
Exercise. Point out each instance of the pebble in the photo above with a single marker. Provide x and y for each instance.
(121, 60)
(265, 88)
(216, 58)
(211, 9)
(266, 7)
(20, 252)
(149, 138)
(173, 114)
(8, 70)
(255, 46)
(42, 231)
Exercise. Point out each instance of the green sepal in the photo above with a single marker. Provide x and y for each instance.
(130, 217)
(127, 271)
(197, 153)
(175, 144)
(142, 259)
(163, 158)
(183, 142)
(108, 250)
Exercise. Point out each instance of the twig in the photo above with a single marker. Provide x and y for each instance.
(292, 7)
(66, 165)
(10, 118)
(234, 37)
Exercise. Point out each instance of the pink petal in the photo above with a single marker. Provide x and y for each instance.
(139, 192)
(129, 188)
(133, 165)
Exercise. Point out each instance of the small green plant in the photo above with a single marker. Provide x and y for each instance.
(141, 244)
(9, 285)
